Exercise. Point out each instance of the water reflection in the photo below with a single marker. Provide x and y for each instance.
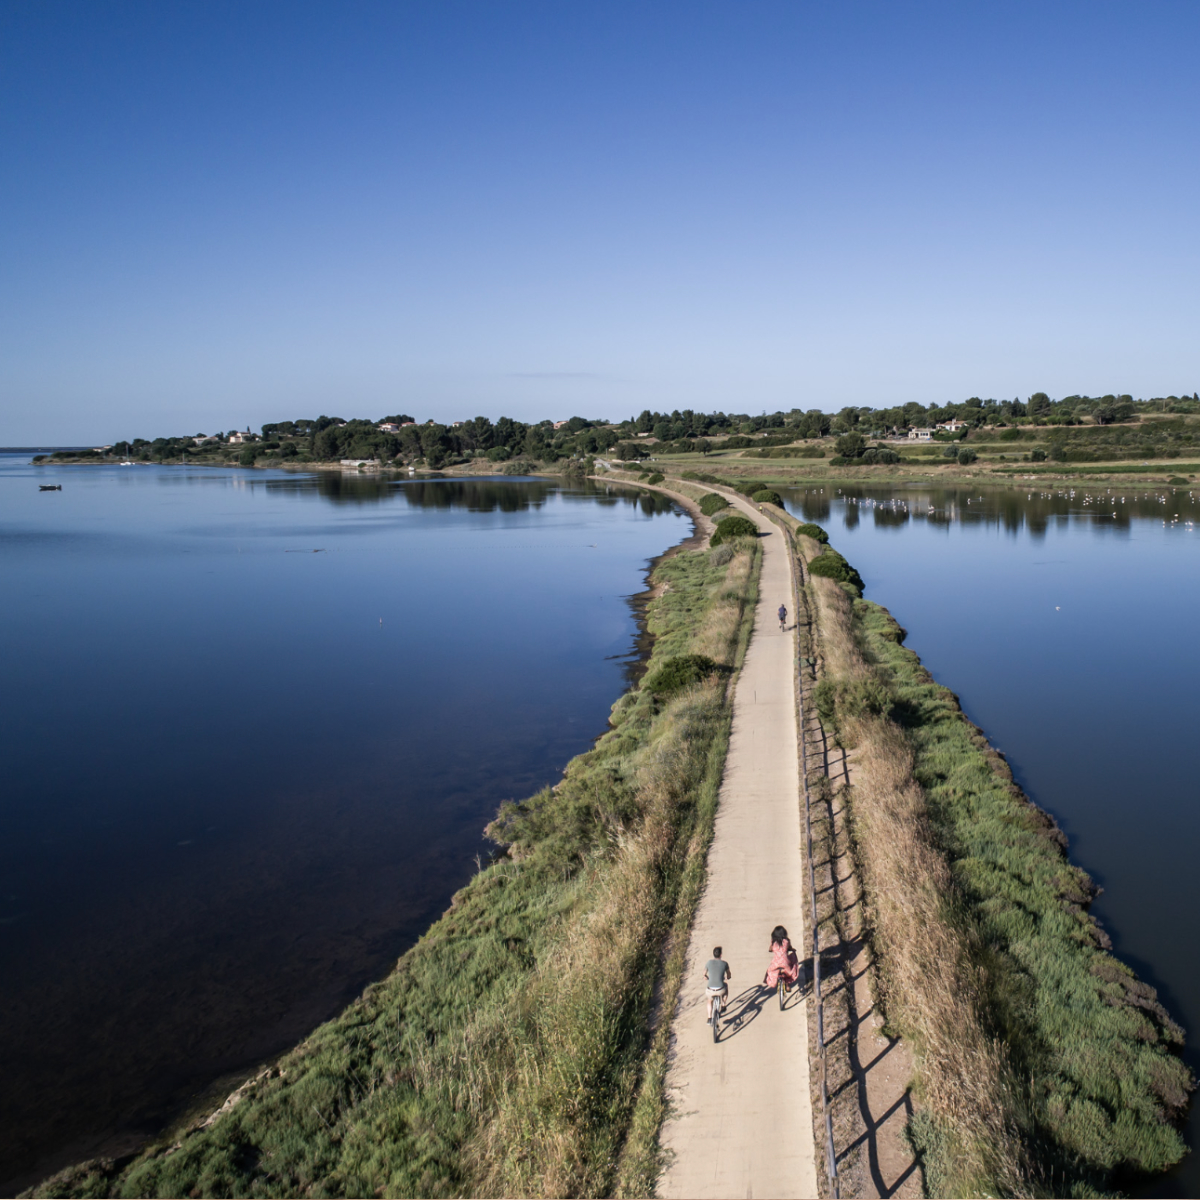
(503, 494)
(1007, 509)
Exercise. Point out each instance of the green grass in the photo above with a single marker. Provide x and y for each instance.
(514, 1049)
(1106, 1089)
(1169, 466)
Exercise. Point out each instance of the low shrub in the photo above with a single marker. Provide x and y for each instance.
(1038, 455)
(831, 565)
(747, 486)
(729, 528)
(682, 671)
(767, 496)
(657, 477)
(518, 466)
(813, 531)
(842, 701)
(712, 503)
(966, 457)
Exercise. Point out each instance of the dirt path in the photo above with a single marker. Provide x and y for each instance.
(741, 1117)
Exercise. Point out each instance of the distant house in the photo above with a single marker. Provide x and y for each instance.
(237, 437)
(360, 462)
(560, 424)
(457, 424)
(920, 435)
(952, 426)
(406, 424)
(389, 427)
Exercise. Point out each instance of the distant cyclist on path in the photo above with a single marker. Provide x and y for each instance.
(782, 617)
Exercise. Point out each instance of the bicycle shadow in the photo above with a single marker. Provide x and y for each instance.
(746, 1007)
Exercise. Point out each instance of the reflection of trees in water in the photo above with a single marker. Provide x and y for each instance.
(1011, 509)
(475, 495)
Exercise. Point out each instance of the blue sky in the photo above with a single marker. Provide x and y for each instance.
(227, 213)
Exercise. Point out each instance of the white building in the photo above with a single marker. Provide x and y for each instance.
(920, 435)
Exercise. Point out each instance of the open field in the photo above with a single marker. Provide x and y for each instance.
(776, 472)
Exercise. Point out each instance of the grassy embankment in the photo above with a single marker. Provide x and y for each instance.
(515, 1050)
(1044, 1065)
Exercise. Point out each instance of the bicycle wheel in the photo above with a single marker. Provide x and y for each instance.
(782, 989)
(716, 1021)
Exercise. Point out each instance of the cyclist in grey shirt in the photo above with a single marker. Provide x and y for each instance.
(716, 972)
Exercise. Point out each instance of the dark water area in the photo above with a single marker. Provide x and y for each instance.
(252, 725)
(1065, 620)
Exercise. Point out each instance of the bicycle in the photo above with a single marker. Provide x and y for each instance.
(716, 1016)
(783, 988)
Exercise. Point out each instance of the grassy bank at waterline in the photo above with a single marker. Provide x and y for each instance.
(514, 1050)
(1044, 1066)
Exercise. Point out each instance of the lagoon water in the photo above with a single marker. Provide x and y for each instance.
(1065, 620)
(252, 725)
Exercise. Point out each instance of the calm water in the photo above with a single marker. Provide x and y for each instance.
(252, 725)
(1066, 622)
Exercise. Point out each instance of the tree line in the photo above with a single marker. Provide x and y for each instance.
(328, 438)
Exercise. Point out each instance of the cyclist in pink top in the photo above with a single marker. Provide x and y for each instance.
(784, 960)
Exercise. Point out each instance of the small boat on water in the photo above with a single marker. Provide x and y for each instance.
(49, 487)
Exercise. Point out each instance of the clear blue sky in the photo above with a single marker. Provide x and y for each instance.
(227, 213)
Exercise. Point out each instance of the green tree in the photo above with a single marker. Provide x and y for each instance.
(851, 445)
(435, 445)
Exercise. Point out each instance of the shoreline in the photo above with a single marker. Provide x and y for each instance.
(787, 472)
(558, 885)
(219, 1095)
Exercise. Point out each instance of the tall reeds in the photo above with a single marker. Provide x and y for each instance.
(930, 989)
